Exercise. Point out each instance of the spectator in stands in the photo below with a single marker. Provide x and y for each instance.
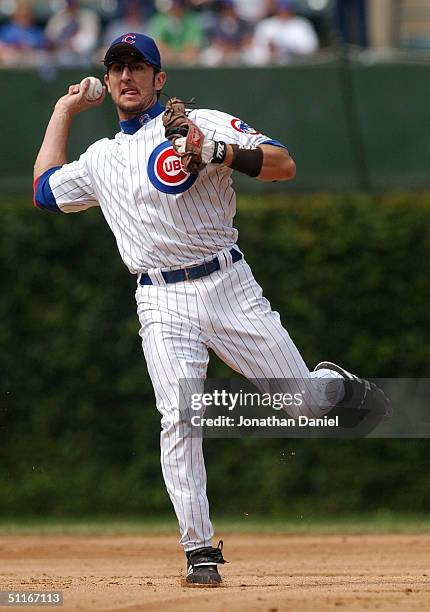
(350, 17)
(133, 20)
(227, 37)
(178, 33)
(253, 10)
(147, 8)
(21, 41)
(208, 11)
(73, 33)
(279, 38)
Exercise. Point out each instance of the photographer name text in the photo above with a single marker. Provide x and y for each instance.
(271, 421)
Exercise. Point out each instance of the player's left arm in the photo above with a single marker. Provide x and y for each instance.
(276, 163)
(204, 137)
(240, 147)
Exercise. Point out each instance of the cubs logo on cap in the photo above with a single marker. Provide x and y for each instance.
(132, 43)
(243, 128)
(129, 38)
(165, 171)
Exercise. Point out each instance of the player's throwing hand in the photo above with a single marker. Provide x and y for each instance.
(75, 100)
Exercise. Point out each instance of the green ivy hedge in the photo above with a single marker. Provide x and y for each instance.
(79, 431)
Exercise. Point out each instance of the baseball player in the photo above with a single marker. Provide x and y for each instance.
(164, 186)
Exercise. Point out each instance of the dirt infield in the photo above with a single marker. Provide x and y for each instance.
(385, 572)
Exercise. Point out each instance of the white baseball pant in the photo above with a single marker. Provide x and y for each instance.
(225, 311)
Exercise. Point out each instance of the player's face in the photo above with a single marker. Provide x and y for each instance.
(133, 85)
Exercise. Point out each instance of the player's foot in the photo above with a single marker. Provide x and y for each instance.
(202, 565)
(364, 404)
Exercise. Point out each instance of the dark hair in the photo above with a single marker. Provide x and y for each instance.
(156, 71)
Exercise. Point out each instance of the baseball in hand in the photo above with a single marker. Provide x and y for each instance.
(95, 89)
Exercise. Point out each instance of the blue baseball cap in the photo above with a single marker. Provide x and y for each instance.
(134, 44)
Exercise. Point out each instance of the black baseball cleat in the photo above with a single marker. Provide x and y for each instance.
(202, 565)
(364, 404)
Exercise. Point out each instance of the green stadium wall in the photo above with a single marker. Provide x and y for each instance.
(348, 125)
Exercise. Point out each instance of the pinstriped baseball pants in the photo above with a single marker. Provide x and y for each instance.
(226, 312)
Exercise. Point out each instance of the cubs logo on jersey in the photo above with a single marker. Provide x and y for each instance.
(243, 128)
(144, 118)
(165, 171)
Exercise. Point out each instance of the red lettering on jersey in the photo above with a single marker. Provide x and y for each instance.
(173, 165)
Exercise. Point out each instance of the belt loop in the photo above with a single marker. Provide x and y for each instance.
(156, 276)
(225, 260)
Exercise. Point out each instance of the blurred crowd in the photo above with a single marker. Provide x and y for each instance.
(188, 32)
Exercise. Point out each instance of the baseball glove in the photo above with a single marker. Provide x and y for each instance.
(177, 125)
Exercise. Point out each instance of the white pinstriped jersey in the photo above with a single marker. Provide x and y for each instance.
(164, 218)
(161, 217)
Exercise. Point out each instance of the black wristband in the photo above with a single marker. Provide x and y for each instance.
(220, 152)
(246, 160)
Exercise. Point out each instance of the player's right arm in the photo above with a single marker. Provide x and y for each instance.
(52, 155)
(53, 150)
